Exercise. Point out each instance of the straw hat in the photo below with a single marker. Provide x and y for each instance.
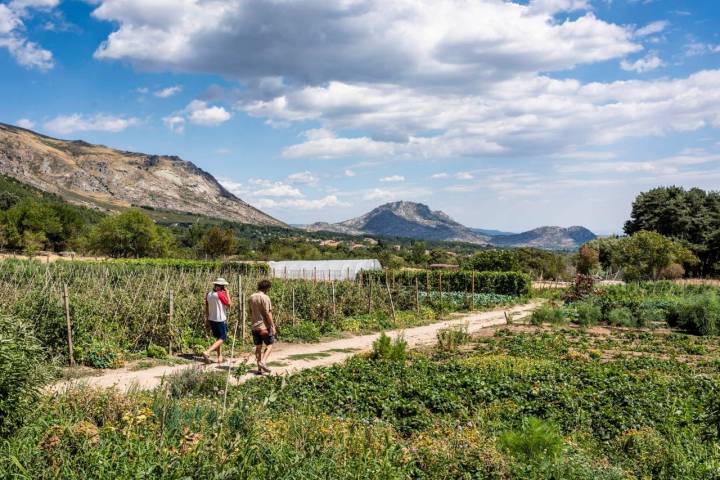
(220, 281)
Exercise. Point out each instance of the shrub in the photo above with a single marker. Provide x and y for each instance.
(386, 349)
(101, 355)
(536, 441)
(451, 338)
(699, 314)
(503, 283)
(648, 315)
(621, 317)
(303, 331)
(548, 314)
(156, 351)
(22, 372)
(582, 287)
(196, 381)
(588, 314)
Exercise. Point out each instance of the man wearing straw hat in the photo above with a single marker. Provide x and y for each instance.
(217, 301)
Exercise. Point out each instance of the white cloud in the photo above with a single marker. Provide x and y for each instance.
(197, 112)
(168, 91)
(142, 90)
(411, 43)
(464, 176)
(652, 28)
(439, 176)
(301, 203)
(349, 173)
(25, 123)
(393, 179)
(645, 64)
(13, 34)
(392, 194)
(65, 124)
(275, 189)
(303, 178)
(176, 123)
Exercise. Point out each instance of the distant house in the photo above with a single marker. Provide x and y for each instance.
(322, 270)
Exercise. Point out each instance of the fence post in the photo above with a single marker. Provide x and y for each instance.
(66, 300)
(417, 296)
(241, 300)
(314, 274)
(472, 283)
(171, 316)
(442, 307)
(348, 274)
(369, 294)
(293, 305)
(392, 305)
(332, 284)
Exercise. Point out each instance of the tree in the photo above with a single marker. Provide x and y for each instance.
(130, 234)
(495, 261)
(690, 216)
(217, 242)
(647, 255)
(588, 259)
(418, 253)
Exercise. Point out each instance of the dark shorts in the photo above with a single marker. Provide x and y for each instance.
(263, 337)
(219, 330)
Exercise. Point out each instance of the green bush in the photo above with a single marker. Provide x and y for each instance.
(22, 372)
(548, 314)
(536, 441)
(648, 315)
(101, 354)
(196, 381)
(451, 338)
(621, 317)
(156, 351)
(386, 349)
(302, 331)
(699, 314)
(588, 314)
(503, 283)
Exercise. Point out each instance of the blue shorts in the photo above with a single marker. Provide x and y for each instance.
(259, 338)
(219, 330)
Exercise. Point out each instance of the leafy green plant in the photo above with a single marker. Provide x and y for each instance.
(156, 351)
(536, 441)
(621, 317)
(588, 314)
(101, 354)
(22, 372)
(449, 339)
(302, 331)
(698, 314)
(548, 314)
(384, 348)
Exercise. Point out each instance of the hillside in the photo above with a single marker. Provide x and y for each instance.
(405, 219)
(554, 238)
(108, 179)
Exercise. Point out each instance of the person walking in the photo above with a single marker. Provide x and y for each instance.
(263, 326)
(217, 301)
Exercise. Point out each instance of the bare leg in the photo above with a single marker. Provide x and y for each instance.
(268, 350)
(213, 347)
(219, 351)
(258, 355)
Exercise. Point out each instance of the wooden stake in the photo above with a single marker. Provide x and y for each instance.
(293, 305)
(332, 284)
(369, 294)
(241, 300)
(171, 316)
(473, 290)
(69, 325)
(314, 274)
(417, 296)
(392, 305)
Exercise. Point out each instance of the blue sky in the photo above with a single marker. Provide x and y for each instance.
(503, 114)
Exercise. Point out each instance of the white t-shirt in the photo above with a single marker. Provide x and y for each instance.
(216, 308)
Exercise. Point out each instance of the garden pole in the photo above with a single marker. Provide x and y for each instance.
(171, 316)
(348, 274)
(472, 283)
(69, 325)
(392, 305)
(369, 294)
(417, 296)
(332, 284)
(241, 300)
(293, 305)
(441, 291)
(427, 282)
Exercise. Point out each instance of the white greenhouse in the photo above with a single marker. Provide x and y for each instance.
(321, 270)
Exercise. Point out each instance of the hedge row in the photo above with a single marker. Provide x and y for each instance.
(242, 268)
(502, 283)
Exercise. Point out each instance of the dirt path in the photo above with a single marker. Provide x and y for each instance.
(292, 357)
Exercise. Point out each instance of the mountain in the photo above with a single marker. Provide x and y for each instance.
(108, 179)
(552, 238)
(491, 233)
(404, 219)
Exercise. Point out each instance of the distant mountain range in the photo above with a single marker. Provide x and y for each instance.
(416, 220)
(108, 179)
